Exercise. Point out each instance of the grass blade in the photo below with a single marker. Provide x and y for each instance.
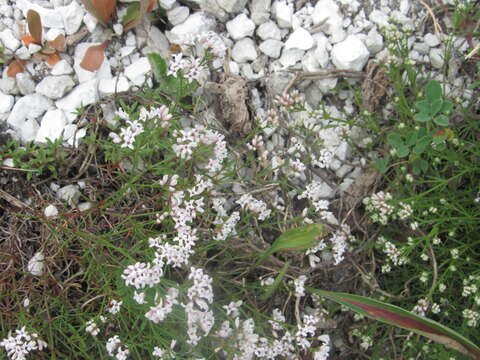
(394, 315)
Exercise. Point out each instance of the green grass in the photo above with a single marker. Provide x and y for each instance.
(87, 252)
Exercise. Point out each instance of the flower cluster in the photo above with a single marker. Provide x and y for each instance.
(163, 306)
(394, 255)
(190, 67)
(189, 139)
(135, 127)
(198, 314)
(248, 202)
(300, 285)
(381, 208)
(92, 326)
(472, 317)
(18, 346)
(115, 348)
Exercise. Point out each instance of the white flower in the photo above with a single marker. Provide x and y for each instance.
(300, 286)
(114, 307)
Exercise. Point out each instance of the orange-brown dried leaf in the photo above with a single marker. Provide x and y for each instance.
(52, 59)
(15, 67)
(59, 43)
(35, 25)
(105, 8)
(94, 57)
(28, 39)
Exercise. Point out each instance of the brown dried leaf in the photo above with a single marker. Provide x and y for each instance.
(35, 25)
(15, 67)
(94, 57)
(59, 43)
(28, 39)
(101, 9)
(52, 59)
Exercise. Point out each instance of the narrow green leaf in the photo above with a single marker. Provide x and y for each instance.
(133, 12)
(298, 239)
(159, 66)
(394, 315)
(271, 288)
(433, 91)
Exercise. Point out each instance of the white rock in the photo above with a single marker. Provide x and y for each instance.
(55, 87)
(84, 206)
(84, 94)
(343, 170)
(271, 48)
(166, 4)
(283, 13)
(310, 63)
(72, 135)
(437, 58)
(53, 33)
(28, 107)
(104, 72)
(241, 26)
(260, 11)
(299, 39)
(112, 86)
(421, 48)
(6, 102)
(325, 85)
(291, 56)
(379, 18)
(127, 50)
(50, 211)
(118, 29)
(269, 30)
(374, 41)
(72, 15)
(232, 6)
(346, 184)
(350, 54)
(51, 18)
(23, 53)
(342, 151)
(404, 6)
(25, 83)
(327, 14)
(431, 40)
(62, 68)
(90, 22)
(138, 68)
(322, 54)
(69, 193)
(52, 125)
(9, 40)
(195, 24)
(34, 48)
(178, 15)
(158, 42)
(36, 264)
(27, 131)
(244, 50)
